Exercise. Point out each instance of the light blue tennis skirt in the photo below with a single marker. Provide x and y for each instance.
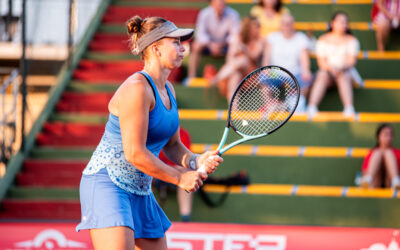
(103, 204)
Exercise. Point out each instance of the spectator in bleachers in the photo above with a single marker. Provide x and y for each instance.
(289, 49)
(184, 198)
(381, 165)
(336, 53)
(215, 25)
(269, 13)
(244, 55)
(386, 16)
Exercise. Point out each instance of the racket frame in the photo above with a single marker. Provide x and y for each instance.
(252, 137)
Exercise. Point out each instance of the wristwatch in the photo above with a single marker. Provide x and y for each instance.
(192, 162)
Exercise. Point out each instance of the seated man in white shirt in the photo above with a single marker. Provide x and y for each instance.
(214, 27)
(289, 49)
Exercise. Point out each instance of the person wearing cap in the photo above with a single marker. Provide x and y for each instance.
(117, 203)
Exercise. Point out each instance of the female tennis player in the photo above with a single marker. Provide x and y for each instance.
(117, 203)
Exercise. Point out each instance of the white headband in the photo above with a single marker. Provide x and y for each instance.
(167, 29)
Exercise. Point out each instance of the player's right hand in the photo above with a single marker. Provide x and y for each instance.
(191, 181)
(209, 161)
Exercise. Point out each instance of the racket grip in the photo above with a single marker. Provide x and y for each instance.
(202, 169)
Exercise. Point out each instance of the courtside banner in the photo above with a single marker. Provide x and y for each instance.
(209, 236)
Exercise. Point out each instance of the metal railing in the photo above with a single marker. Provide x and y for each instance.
(9, 116)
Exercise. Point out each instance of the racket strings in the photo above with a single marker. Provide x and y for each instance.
(264, 101)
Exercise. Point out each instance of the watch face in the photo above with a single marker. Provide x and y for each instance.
(192, 164)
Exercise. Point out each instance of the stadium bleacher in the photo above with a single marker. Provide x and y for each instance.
(302, 175)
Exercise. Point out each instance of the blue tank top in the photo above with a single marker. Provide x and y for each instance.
(163, 124)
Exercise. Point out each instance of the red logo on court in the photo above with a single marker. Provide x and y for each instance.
(209, 241)
(50, 239)
(393, 245)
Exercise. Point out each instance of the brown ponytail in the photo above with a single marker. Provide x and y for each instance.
(134, 25)
(137, 27)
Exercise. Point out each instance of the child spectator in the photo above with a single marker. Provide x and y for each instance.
(386, 16)
(215, 25)
(289, 49)
(244, 56)
(269, 13)
(336, 52)
(380, 167)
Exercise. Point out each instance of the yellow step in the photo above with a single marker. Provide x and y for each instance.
(376, 55)
(286, 151)
(325, 26)
(304, 190)
(381, 84)
(213, 114)
(368, 83)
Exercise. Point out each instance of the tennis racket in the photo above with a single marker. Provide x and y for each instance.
(262, 103)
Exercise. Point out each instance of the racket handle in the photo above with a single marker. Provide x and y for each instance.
(202, 169)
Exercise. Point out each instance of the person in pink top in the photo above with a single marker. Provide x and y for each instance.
(381, 165)
(386, 16)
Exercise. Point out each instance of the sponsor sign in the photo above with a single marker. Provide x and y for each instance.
(210, 236)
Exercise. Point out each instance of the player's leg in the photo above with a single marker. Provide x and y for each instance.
(151, 244)
(116, 238)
